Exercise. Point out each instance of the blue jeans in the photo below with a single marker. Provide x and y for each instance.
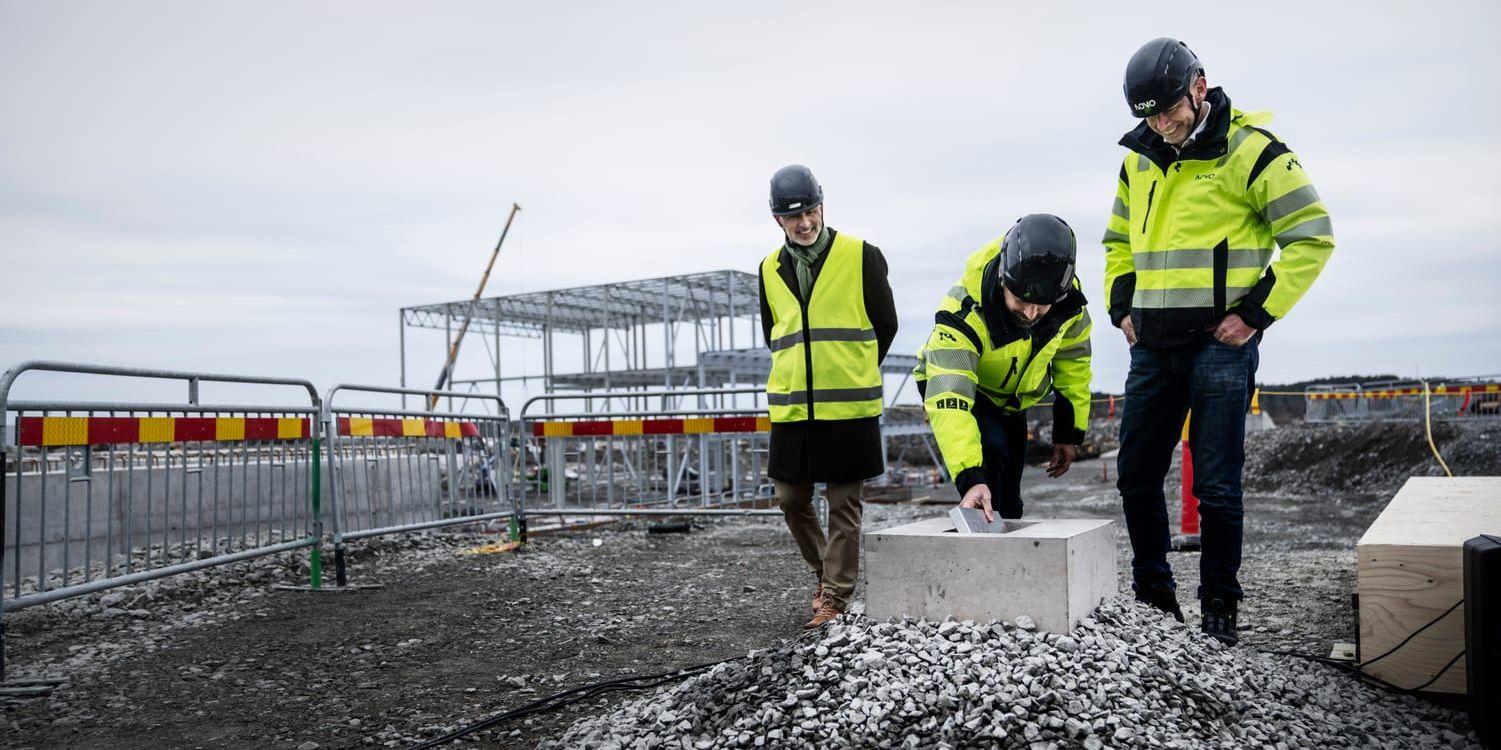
(1216, 381)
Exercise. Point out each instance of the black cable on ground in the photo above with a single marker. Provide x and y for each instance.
(576, 695)
(585, 692)
(1358, 670)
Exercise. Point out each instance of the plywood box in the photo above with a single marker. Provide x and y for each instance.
(1409, 570)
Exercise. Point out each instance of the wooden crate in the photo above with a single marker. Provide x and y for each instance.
(1409, 570)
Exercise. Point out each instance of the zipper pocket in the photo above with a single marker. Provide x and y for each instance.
(1009, 373)
(1150, 194)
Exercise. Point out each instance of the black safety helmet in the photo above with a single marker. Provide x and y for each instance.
(1038, 258)
(794, 190)
(1159, 74)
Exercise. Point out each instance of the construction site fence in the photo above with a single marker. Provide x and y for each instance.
(1408, 400)
(394, 470)
(97, 495)
(645, 453)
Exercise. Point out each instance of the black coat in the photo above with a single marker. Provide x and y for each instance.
(843, 450)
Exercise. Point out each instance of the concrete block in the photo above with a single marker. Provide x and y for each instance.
(1055, 571)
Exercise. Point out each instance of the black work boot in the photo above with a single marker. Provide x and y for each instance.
(1219, 621)
(1162, 596)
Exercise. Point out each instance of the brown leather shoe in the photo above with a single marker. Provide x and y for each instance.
(818, 596)
(824, 614)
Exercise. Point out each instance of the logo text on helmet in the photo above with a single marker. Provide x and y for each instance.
(1148, 104)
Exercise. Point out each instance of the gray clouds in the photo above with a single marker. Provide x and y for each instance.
(258, 187)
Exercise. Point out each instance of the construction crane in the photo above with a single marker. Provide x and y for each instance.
(453, 350)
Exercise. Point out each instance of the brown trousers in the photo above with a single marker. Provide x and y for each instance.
(837, 561)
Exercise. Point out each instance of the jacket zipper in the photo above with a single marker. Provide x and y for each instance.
(1036, 347)
(1151, 193)
(1009, 372)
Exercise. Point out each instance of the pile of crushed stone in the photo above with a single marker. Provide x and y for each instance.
(1375, 457)
(1125, 677)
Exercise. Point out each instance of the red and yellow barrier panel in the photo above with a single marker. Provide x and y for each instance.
(58, 431)
(378, 427)
(1439, 390)
(687, 426)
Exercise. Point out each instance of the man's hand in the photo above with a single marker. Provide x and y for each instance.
(1129, 329)
(978, 497)
(1063, 457)
(1233, 331)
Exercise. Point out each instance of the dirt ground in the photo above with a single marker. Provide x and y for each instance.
(224, 661)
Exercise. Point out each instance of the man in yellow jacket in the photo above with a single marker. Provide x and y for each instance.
(1202, 198)
(828, 319)
(1011, 331)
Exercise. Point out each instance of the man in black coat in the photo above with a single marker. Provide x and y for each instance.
(828, 319)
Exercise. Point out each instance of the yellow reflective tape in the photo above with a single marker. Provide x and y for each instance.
(229, 428)
(697, 426)
(65, 431)
(288, 428)
(413, 428)
(763, 424)
(627, 427)
(361, 426)
(452, 430)
(157, 429)
(557, 429)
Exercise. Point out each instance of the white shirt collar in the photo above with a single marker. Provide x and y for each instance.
(1198, 129)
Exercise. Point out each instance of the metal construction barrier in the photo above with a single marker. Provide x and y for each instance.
(646, 454)
(1407, 400)
(394, 470)
(97, 495)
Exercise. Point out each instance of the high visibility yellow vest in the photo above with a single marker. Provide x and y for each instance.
(825, 362)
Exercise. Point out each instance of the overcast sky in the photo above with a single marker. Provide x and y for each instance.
(258, 187)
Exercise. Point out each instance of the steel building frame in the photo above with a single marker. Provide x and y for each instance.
(619, 325)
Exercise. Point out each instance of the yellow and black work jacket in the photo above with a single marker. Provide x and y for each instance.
(978, 351)
(1190, 237)
(825, 359)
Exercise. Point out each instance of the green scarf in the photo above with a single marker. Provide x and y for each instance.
(806, 257)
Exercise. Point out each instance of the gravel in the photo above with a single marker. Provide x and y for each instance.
(1376, 457)
(1125, 677)
(118, 624)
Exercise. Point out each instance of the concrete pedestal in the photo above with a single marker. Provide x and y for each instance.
(1055, 571)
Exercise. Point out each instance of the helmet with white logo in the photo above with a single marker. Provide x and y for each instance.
(794, 191)
(1159, 74)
